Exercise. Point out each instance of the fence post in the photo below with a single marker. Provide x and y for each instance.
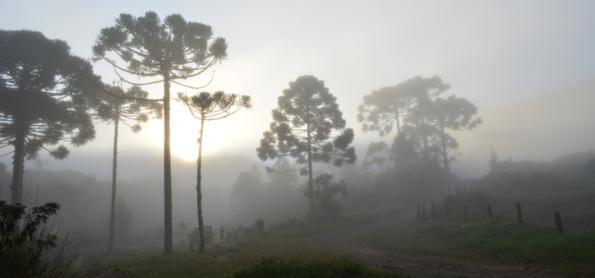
(519, 212)
(490, 215)
(465, 214)
(418, 213)
(559, 227)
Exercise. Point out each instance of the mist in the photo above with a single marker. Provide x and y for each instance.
(426, 139)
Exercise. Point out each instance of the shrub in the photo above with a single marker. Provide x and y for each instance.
(27, 249)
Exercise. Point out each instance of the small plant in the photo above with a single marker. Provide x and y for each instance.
(27, 249)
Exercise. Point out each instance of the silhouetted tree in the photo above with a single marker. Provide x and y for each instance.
(131, 109)
(418, 107)
(376, 155)
(282, 174)
(324, 194)
(452, 113)
(167, 52)
(404, 154)
(182, 232)
(384, 108)
(247, 191)
(308, 126)
(210, 107)
(45, 94)
(4, 179)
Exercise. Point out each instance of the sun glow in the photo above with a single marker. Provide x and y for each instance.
(184, 135)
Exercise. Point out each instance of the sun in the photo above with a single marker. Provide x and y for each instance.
(184, 135)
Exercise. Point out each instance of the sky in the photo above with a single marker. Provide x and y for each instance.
(495, 53)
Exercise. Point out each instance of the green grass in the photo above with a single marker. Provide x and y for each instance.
(265, 258)
(289, 251)
(491, 241)
(142, 265)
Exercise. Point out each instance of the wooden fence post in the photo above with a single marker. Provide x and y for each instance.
(490, 215)
(558, 219)
(519, 212)
(418, 213)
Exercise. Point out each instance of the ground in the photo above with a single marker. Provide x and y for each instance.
(378, 249)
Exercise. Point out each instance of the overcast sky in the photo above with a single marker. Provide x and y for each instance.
(495, 53)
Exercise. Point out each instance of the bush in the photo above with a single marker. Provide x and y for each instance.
(27, 249)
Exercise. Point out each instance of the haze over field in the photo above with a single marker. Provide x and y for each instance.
(461, 108)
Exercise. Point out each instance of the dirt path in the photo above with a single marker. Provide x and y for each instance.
(436, 266)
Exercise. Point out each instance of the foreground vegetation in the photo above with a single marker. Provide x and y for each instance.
(256, 259)
(300, 249)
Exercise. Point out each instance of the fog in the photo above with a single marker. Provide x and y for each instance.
(527, 67)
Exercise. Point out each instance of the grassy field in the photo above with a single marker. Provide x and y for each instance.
(300, 250)
(514, 244)
(255, 259)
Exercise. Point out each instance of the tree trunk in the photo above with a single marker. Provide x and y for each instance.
(112, 218)
(310, 179)
(18, 163)
(167, 194)
(425, 154)
(445, 159)
(201, 247)
(398, 119)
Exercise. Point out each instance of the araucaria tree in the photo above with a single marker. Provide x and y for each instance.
(165, 52)
(45, 96)
(422, 115)
(208, 107)
(309, 127)
(131, 109)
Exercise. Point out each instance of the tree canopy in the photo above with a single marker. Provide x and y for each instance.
(163, 52)
(130, 107)
(309, 127)
(45, 96)
(171, 49)
(422, 114)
